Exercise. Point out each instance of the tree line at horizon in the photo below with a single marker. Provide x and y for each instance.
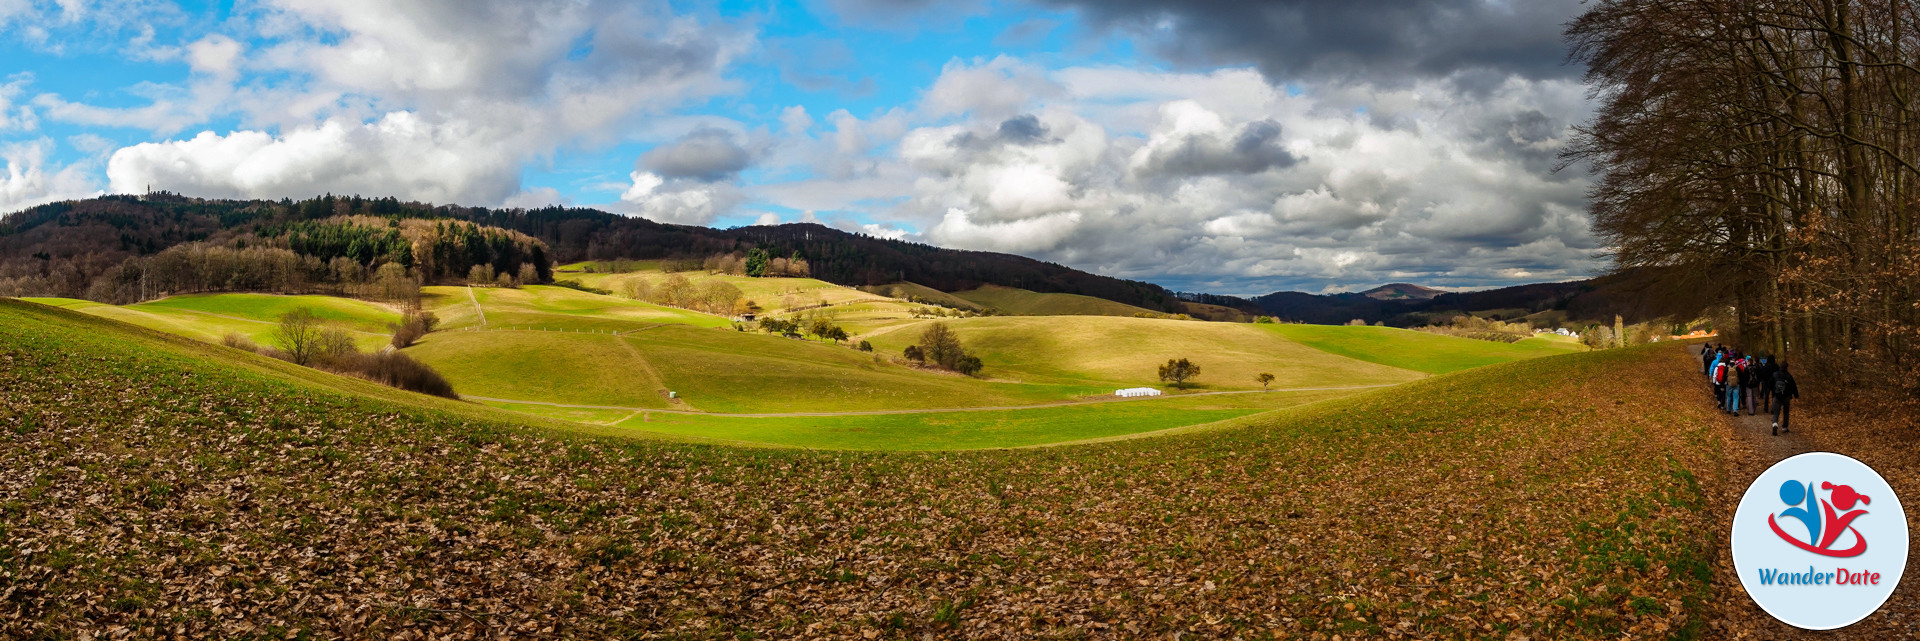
(1766, 156)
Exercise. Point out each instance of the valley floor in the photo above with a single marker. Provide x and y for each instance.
(157, 487)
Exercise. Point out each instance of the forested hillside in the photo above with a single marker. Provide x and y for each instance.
(62, 249)
(122, 249)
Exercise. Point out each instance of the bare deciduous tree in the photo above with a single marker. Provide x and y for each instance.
(1765, 154)
(298, 335)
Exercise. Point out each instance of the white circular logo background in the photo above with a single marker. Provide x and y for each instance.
(1798, 534)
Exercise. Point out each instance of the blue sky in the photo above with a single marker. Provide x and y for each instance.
(1209, 146)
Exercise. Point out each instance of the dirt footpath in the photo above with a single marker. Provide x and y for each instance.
(1886, 439)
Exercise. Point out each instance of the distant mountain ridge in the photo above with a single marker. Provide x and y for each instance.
(1635, 295)
(1402, 291)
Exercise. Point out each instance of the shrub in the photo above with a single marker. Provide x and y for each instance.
(574, 284)
(914, 354)
(334, 344)
(968, 364)
(940, 346)
(866, 346)
(237, 341)
(415, 324)
(393, 369)
(405, 335)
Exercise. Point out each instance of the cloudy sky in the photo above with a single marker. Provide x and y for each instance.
(1207, 145)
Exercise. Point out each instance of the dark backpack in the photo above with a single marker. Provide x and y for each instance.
(1782, 381)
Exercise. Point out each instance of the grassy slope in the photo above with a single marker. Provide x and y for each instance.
(210, 317)
(558, 367)
(1418, 351)
(975, 429)
(1125, 352)
(236, 498)
(904, 289)
(774, 295)
(1030, 303)
(552, 308)
(712, 370)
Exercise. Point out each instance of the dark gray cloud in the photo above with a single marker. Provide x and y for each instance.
(706, 154)
(1254, 148)
(1376, 40)
(1024, 129)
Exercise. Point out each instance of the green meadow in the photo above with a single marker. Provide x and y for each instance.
(1415, 350)
(551, 308)
(979, 429)
(211, 317)
(1117, 352)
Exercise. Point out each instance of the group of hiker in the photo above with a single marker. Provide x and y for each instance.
(1741, 381)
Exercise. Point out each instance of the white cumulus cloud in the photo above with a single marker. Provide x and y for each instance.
(31, 178)
(399, 154)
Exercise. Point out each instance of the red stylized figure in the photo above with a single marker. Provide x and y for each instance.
(1823, 527)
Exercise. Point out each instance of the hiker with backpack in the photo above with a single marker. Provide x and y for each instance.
(1732, 382)
(1751, 381)
(1717, 373)
(1784, 391)
(1706, 359)
(1764, 385)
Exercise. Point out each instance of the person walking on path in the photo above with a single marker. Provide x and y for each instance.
(1763, 389)
(1706, 359)
(1784, 391)
(1734, 372)
(1751, 384)
(1717, 373)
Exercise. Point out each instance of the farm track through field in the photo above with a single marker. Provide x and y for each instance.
(1000, 408)
(659, 384)
(476, 305)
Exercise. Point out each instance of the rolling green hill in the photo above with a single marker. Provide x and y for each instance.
(1418, 351)
(975, 429)
(210, 317)
(188, 488)
(1126, 352)
(711, 370)
(905, 290)
(1028, 303)
(545, 307)
(560, 346)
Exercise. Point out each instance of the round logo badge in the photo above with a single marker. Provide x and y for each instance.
(1820, 541)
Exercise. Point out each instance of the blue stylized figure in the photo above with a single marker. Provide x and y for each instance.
(1793, 493)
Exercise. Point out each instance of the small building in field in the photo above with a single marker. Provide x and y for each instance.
(1134, 392)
